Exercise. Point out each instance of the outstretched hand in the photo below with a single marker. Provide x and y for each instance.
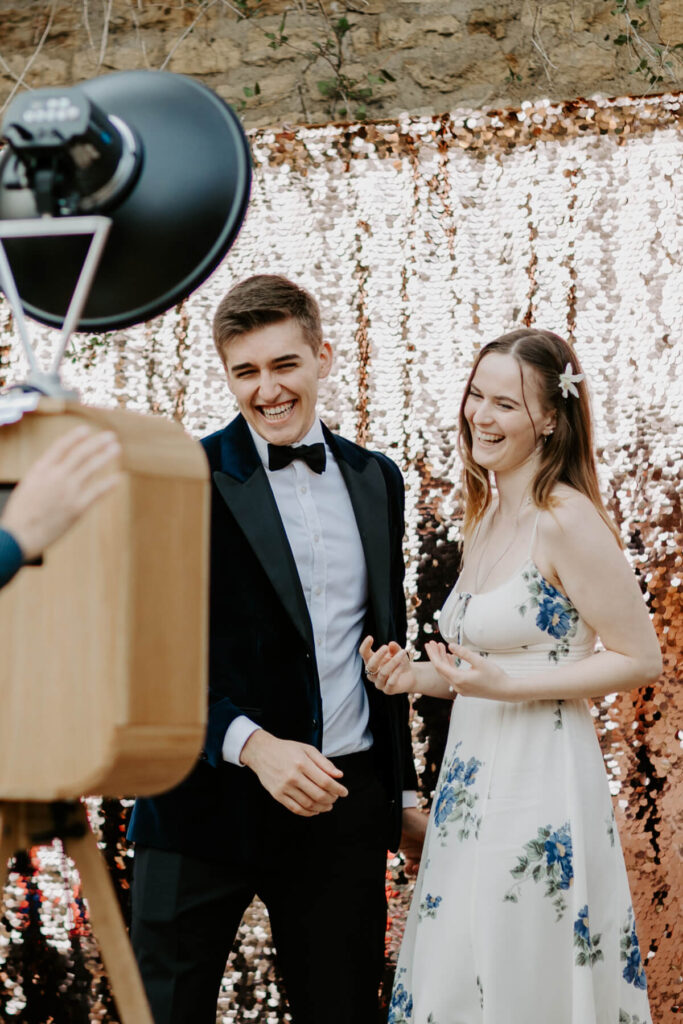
(483, 678)
(389, 667)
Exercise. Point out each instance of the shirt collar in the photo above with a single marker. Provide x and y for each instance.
(314, 435)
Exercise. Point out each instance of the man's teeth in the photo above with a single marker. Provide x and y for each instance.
(492, 438)
(277, 412)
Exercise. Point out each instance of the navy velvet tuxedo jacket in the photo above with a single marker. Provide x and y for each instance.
(261, 649)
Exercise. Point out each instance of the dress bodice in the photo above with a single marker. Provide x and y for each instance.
(525, 623)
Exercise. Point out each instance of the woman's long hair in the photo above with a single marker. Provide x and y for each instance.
(567, 455)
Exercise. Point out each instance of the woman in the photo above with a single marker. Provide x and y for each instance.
(522, 912)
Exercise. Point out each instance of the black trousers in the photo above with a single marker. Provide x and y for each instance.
(322, 880)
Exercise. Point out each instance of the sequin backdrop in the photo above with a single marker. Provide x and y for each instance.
(423, 239)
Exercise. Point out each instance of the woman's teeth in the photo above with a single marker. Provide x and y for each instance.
(489, 438)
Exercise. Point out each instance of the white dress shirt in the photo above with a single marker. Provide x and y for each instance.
(322, 532)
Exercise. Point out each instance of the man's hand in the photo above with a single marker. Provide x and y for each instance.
(296, 774)
(414, 826)
(59, 487)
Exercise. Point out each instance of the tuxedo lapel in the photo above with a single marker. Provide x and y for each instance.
(244, 487)
(368, 492)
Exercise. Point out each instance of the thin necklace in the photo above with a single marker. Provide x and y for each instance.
(478, 584)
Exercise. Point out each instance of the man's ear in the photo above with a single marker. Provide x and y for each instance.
(325, 360)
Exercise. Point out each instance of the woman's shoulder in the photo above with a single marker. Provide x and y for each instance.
(569, 511)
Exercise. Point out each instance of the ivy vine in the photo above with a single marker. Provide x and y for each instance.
(656, 60)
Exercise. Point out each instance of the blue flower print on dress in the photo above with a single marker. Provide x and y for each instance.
(558, 850)
(588, 945)
(401, 1006)
(429, 906)
(631, 1018)
(456, 800)
(556, 615)
(553, 618)
(634, 972)
(546, 858)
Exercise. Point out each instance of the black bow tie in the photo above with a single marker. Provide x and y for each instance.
(280, 455)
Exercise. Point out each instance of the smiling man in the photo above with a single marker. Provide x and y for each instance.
(306, 768)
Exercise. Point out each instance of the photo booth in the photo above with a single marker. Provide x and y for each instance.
(117, 198)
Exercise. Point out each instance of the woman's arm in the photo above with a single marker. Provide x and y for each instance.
(576, 548)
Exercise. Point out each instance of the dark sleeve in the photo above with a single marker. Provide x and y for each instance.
(11, 557)
(398, 602)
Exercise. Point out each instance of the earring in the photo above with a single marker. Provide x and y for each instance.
(548, 434)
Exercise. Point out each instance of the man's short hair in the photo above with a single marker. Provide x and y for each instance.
(262, 300)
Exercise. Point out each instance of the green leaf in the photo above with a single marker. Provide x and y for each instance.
(621, 40)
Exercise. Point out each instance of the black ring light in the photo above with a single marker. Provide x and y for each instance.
(159, 154)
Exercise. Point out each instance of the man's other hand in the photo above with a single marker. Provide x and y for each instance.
(296, 774)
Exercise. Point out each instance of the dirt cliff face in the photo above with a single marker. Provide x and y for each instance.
(302, 61)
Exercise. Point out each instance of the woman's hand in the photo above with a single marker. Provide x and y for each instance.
(389, 667)
(482, 679)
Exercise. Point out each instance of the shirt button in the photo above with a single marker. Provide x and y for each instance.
(318, 591)
(314, 723)
(304, 489)
(316, 537)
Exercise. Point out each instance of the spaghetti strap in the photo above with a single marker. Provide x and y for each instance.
(533, 534)
(475, 536)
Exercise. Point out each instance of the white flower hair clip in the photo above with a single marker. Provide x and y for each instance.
(569, 380)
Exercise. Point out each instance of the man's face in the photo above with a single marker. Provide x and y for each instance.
(273, 373)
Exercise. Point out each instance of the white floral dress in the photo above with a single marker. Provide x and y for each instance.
(521, 912)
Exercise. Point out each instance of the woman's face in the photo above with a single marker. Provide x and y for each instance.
(504, 434)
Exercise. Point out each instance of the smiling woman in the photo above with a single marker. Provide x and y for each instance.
(523, 797)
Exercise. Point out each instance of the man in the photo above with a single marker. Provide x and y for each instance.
(58, 488)
(298, 793)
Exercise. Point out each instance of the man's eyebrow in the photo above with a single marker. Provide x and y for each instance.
(286, 358)
(275, 362)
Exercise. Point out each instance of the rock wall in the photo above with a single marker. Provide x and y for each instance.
(309, 61)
